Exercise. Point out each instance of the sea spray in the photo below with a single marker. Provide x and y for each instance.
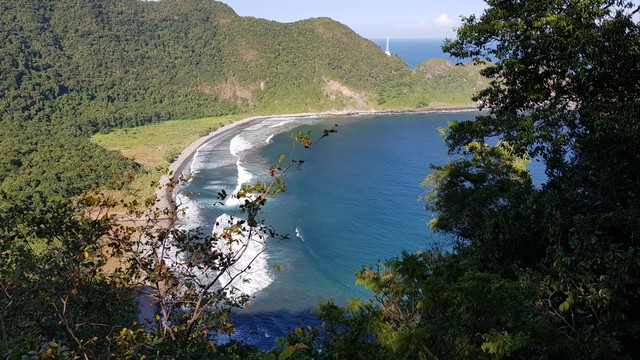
(247, 274)
(243, 146)
(250, 274)
(237, 145)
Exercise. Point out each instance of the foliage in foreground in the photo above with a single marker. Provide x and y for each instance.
(71, 292)
(538, 271)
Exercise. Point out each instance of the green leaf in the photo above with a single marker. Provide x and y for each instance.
(290, 350)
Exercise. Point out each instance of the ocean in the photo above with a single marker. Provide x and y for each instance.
(415, 51)
(354, 202)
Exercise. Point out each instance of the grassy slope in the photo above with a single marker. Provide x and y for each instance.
(154, 146)
(449, 83)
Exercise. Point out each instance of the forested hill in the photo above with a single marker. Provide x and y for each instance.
(73, 68)
(109, 63)
(537, 271)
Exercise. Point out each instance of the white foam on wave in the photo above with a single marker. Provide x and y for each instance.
(239, 144)
(258, 126)
(250, 274)
(250, 271)
(282, 122)
(299, 233)
(244, 176)
(255, 136)
(269, 138)
(189, 214)
(471, 109)
(208, 156)
(196, 162)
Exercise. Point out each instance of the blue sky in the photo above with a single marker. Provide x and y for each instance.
(372, 18)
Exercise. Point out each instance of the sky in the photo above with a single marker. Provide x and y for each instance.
(373, 19)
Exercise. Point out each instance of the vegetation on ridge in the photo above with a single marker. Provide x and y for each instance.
(540, 272)
(72, 69)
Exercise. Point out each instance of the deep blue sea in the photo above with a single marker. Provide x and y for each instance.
(415, 51)
(353, 202)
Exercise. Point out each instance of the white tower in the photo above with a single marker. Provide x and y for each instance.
(388, 51)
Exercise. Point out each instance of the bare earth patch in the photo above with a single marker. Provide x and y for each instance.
(334, 89)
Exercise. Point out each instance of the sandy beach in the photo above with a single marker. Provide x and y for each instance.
(165, 195)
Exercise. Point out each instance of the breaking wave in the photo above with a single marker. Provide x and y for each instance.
(245, 147)
(231, 161)
(250, 273)
(299, 233)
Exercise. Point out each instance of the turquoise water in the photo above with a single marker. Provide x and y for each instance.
(353, 202)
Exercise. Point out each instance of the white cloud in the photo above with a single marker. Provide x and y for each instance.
(443, 20)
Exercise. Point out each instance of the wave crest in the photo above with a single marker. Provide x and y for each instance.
(250, 273)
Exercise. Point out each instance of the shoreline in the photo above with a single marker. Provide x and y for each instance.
(165, 199)
(165, 194)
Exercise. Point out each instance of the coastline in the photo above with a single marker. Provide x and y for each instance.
(165, 194)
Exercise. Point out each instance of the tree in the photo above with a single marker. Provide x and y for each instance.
(545, 271)
(486, 198)
(85, 308)
(566, 89)
(55, 296)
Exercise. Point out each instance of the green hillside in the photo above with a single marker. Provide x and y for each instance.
(73, 68)
(535, 269)
(449, 83)
(70, 69)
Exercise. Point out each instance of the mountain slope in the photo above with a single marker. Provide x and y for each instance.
(73, 68)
